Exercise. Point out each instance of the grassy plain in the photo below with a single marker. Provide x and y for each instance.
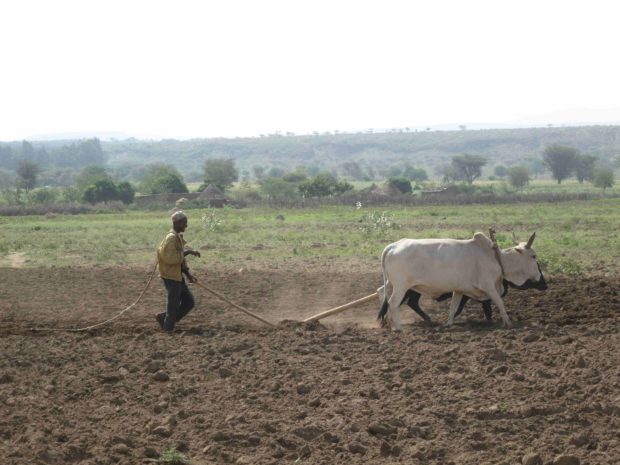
(572, 237)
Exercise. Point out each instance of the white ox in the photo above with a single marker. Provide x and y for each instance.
(434, 267)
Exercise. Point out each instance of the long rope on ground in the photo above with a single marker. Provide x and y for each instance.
(229, 302)
(87, 328)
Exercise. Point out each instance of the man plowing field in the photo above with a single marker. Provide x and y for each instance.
(172, 266)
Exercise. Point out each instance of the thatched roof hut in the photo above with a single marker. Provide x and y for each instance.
(214, 195)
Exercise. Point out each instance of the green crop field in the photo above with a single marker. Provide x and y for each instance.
(572, 237)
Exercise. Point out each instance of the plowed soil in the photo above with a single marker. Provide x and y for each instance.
(227, 389)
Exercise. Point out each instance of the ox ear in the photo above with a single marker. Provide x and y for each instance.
(530, 241)
(514, 239)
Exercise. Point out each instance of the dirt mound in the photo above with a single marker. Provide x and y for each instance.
(226, 389)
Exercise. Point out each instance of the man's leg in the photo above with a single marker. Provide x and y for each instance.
(187, 301)
(174, 300)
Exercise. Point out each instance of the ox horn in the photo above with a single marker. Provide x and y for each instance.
(530, 241)
(514, 239)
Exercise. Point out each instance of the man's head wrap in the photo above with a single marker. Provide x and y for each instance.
(178, 216)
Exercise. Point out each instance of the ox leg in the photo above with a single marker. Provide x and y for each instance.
(394, 302)
(499, 303)
(412, 299)
(462, 303)
(486, 308)
(454, 305)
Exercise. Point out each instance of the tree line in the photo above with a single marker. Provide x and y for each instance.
(95, 183)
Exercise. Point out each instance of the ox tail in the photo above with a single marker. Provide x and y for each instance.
(381, 317)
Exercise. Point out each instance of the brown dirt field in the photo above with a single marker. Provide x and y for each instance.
(227, 389)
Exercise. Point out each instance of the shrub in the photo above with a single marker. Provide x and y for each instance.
(168, 183)
(126, 193)
(103, 190)
(43, 195)
(171, 456)
(402, 184)
(323, 185)
(378, 223)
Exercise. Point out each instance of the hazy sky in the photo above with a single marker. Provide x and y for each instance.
(235, 68)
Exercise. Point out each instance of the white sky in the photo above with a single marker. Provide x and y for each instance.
(236, 68)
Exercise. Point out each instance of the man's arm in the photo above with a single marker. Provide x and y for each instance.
(186, 272)
(189, 251)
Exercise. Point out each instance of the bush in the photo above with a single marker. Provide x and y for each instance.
(378, 223)
(323, 185)
(103, 190)
(402, 184)
(169, 183)
(44, 195)
(275, 188)
(153, 174)
(221, 172)
(126, 193)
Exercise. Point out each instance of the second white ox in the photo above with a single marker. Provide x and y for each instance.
(433, 267)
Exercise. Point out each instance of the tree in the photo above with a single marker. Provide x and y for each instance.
(323, 185)
(90, 152)
(6, 179)
(275, 188)
(7, 158)
(519, 176)
(353, 169)
(276, 172)
(258, 171)
(28, 152)
(89, 176)
(27, 171)
(221, 171)
(394, 171)
(168, 183)
(415, 174)
(126, 192)
(560, 160)
(44, 195)
(295, 176)
(500, 171)
(402, 184)
(153, 172)
(468, 167)
(604, 178)
(103, 190)
(584, 167)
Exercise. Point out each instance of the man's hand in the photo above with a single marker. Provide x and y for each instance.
(191, 278)
(187, 252)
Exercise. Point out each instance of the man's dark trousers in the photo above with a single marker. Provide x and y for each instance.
(180, 302)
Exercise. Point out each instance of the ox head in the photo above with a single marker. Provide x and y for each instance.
(522, 269)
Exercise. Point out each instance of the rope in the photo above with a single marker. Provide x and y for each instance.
(496, 249)
(87, 328)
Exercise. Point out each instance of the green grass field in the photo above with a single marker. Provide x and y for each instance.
(572, 237)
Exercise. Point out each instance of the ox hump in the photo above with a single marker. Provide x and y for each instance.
(482, 240)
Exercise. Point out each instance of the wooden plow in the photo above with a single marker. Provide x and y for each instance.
(317, 317)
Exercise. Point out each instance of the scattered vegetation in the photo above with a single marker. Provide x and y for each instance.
(572, 237)
(378, 223)
(171, 456)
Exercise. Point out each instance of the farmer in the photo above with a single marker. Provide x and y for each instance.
(172, 266)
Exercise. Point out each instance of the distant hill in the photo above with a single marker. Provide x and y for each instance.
(368, 155)
(69, 136)
(373, 152)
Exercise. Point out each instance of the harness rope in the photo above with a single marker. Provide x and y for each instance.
(217, 294)
(87, 328)
(497, 251)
